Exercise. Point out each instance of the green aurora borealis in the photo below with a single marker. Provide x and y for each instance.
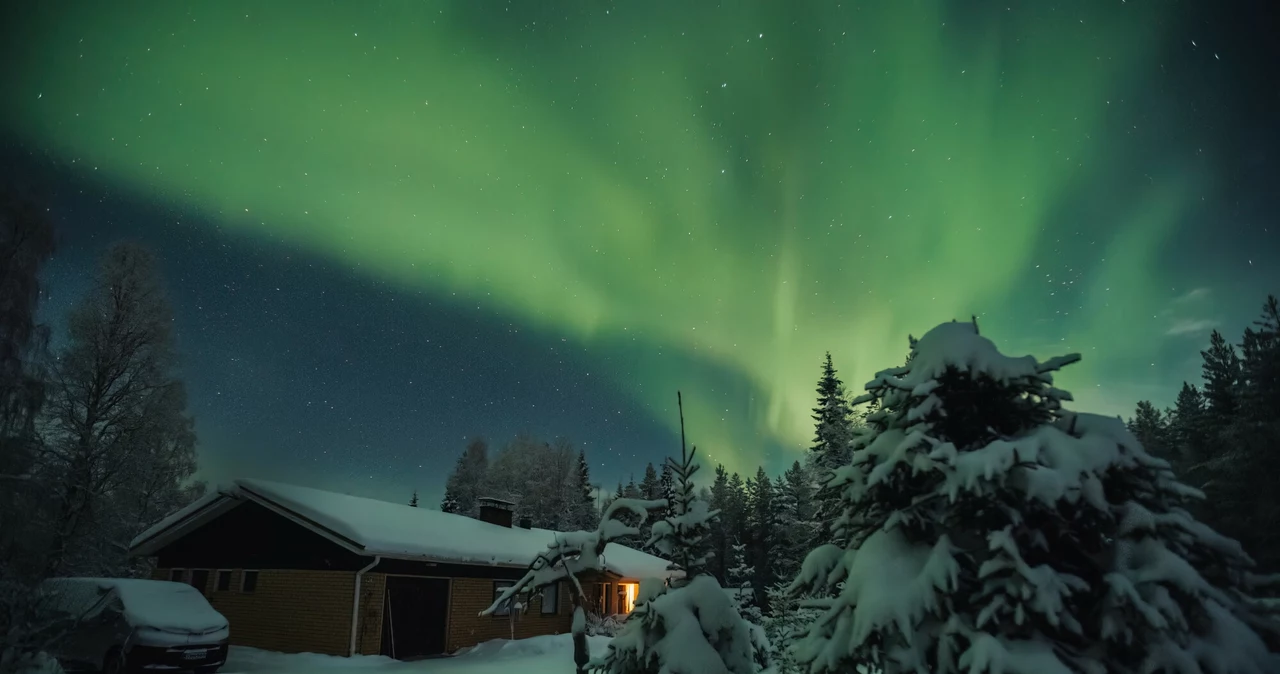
(710, 193)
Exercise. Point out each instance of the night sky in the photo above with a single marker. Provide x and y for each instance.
(389, 226)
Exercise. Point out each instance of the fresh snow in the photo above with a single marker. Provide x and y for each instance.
(394, 529)
(1011, 594)
(538, 655)
(158, 604)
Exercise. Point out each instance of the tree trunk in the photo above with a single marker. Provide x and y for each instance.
(580, 654)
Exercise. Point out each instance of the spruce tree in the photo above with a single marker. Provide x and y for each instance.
(585, 513)
(650, 487)
(1187, 431)
(721, 536)
(740, 587)
(413, 500)
(1246, 460)
(759, 520)
(1151, 428)
(465, 483)
(794, 526)
(832, 420)
(689, 626)
(1221, 381)
(988, 529)
(833, 433)
(667, 485)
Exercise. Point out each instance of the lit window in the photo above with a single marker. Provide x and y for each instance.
(630, 590)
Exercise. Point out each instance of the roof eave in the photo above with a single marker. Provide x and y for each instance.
(154, 543)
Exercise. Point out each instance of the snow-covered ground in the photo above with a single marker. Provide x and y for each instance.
(538, 655)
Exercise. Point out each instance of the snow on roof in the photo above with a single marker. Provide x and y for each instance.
(393, 529)
(181, 514)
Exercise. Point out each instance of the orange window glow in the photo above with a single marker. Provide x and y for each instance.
(632, 590)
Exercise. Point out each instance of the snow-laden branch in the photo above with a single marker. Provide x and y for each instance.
(572, 553)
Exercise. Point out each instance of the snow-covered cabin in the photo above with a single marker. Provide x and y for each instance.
(296, 569)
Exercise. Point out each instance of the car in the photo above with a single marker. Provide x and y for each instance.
(118, 625)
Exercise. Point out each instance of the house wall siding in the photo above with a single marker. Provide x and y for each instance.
(297, 611)
(470, 596)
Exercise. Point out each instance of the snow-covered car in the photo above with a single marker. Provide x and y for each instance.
(124, 624)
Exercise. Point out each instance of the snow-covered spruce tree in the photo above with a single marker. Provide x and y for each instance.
(789, 617)
(568, 556)
(989, 530)
(740, 575)
(689, 626)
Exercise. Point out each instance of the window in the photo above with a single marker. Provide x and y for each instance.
(224, 580)
(498, 586)
(177, 575)
(200, 579)
(249, 581)
(628, 596)
(551, 599)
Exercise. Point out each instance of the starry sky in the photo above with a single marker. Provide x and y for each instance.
(389, 226)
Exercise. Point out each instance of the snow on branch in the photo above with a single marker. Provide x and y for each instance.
(572, 553)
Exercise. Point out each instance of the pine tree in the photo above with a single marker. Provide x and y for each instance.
(735, 511)
(759, 519)
(463, 486)
(631, 491)
(413, 500)
(832, 420)
(740, 575)
(1260, 364)
(995, 530)
(1245, 462)
(666, 484)
(833, 433)
(721, 536)
(1221, 382)
(1187, 431)
(794, 526)
(1151, 428)
(650, 487)
(690, 625)
(585, 512)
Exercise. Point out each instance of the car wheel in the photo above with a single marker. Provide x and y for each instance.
(114, 663)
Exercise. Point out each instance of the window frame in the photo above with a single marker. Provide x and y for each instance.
(180, 573)
(498, 587)
(217, 580)
(203, 587)
(244, 581)
(555, 599)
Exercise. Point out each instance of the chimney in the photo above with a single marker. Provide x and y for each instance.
(496, 511)
(526, 523)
